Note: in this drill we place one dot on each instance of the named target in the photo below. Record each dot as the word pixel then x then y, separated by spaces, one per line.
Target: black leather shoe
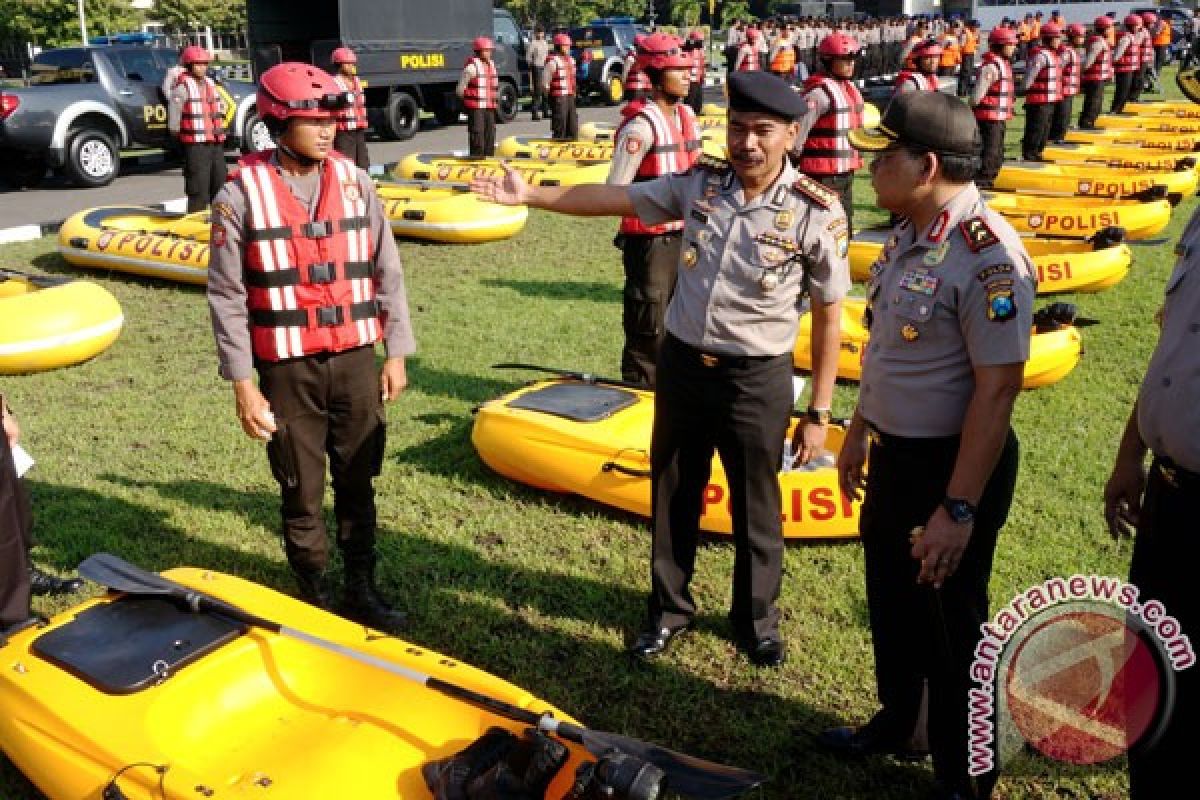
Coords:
pixel 43 583
pixel 866 741
pixel 768 651
pixel 653 642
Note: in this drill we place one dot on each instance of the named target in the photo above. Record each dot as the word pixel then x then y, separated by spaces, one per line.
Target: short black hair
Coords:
pixel 959 169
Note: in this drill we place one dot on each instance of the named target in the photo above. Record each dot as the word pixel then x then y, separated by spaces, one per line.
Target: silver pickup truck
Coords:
pixel 85 104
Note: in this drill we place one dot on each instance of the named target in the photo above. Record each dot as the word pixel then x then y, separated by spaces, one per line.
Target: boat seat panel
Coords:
pixel 579 402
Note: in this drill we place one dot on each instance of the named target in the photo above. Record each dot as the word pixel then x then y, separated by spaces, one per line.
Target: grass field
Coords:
pixel 139 453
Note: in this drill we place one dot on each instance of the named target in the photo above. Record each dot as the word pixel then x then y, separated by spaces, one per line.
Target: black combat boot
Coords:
pixel 362 601
pixel 314 587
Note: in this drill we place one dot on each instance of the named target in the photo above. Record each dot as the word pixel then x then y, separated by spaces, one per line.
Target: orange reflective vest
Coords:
pixel 951 55
pixel 1163 37
pixel 970 43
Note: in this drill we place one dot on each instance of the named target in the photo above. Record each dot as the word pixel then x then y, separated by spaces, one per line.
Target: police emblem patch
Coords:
pixel 1001 306
pixel 218 235
pixel 633 146
pixel 351 191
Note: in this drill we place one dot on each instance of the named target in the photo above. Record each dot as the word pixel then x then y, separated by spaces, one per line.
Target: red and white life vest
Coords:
pixel 697 71
pixel 1102 68
pixel 635 79
pixel 309 282
pixel 353 118
pixel 1047 84
pixel 997 104
pixel 483 88
pixel 827 150
pixel 562 75
pixel 1147 49
pixel 1131 59
pixel 922 81
pixel 748 58
pixel 1068 61
pixel 203 111
pixel 676 147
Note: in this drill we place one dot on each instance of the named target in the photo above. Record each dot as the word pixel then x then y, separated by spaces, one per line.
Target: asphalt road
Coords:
pixel 55 199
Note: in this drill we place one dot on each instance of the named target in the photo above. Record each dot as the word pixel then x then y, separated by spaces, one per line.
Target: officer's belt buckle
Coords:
pixel 330 316
pixel 709 360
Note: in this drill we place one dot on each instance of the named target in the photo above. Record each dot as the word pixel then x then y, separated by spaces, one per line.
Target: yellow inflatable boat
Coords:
pixel 1118 156
pixel 599 150
pixel 454 167
pixel 593 439
pixel 870 113
pixel 425 210
pixel 1080 217
pixel 138 240
pixel 1164 109
pixel 47 323
pixel 1063 265
pixel 1093 181
pixel 1150 124
pixel 1052 353
pixel 1176 142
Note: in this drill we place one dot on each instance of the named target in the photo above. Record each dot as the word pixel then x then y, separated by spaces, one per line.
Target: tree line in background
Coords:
pixel 53 23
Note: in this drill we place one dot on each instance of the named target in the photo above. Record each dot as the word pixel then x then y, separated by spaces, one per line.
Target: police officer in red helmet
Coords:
pixel 479 90
pixel 303 281
pixel 559 77
pixel 351 137
pixel 196 116
pixel 993 100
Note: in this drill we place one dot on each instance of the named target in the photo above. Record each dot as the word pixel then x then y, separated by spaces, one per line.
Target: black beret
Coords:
pixel 934 121
pixel 766 93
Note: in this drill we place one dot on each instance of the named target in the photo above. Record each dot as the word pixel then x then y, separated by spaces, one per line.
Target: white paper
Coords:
pixel 21 459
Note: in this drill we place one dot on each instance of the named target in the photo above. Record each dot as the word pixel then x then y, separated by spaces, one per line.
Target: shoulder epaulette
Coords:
pixel 712 164
pixel 819 193
pixel 977 233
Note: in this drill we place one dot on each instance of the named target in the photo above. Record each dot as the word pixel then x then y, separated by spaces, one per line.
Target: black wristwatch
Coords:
pixel 820 416
pixel 961 511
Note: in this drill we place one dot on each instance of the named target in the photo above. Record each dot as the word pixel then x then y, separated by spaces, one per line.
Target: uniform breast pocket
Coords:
pixel 914 316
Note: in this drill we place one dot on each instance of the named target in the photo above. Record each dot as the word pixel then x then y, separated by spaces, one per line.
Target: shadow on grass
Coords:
pixel 459 385
pixel 54 264
pixel 597 291
pixel 503 619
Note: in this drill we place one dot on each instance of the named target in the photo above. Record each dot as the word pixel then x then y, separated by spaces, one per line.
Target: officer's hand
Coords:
pixel 852 459
pixel 253 410
pixel 940 547
pixel 393 378
pixel 1123 497
pixel 511 190
pixel 808 441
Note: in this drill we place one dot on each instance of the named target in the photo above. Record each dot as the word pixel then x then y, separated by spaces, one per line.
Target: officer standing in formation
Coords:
pixel 539 49
pixel 1042 89
pixel 1163 506
pixel 351 138
pixel 479 89
pixel 560 86
pixel 950 312
pixel 834 107
pixel 970 46
pixel 1097 72
pixel 304 279
pixel 657 137
pixel 1127 63
pixel 196 116
pixel 925 55
pixel 695 47
pixel 747 54
pixel 757 234
pixel 1144 77
pixel 993 100
pixel 1069 81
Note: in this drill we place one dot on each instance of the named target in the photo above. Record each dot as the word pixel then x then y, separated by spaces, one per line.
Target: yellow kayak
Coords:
pixel 138 240
pixel 447 214
pixel 1080 217
pixel 593 440
pixel 599 150
pixel 1126 121
pixel 47 323
pixel 1052 354
pixel 1118 156
pixel 1063 265
pixel 871 116
pixel 1093 181
pixel 122 683
pixel 453 167
pixel 1176 142
pixel 1165 109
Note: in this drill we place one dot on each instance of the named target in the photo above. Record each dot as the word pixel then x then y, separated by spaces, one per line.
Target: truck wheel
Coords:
pixel 24 172
pixel 614 90
pixel 508 103
pixel 402 116
pixel 255 136
pixel 92 159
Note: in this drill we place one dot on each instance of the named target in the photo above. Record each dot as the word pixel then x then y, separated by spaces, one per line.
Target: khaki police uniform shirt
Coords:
pixel 744 266
pixel 942 301
pixel 632 144
pixel 1168 411
pixel 988 74
pixel 227 289
pixel 538 50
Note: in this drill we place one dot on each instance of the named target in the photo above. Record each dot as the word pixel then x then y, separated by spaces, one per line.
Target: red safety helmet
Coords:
pixel 1050 30
pixel 926 49
pixel 1149 17
pixel 1133 21
pixel 1075 29
pixel 752 33
pixel 838 44
pixel 194 54
pixel 562 40
pixel 1003 36
pixel 482 43
pixel 662 51
pixel 344 55
pixel 638 38
pixel 292 89
pixel 1103 22
pixel 696 36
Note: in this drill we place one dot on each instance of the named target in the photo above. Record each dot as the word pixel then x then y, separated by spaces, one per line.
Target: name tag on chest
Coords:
pixel 919 281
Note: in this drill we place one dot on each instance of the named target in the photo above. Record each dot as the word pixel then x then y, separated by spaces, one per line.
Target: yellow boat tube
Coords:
pixel 1141 122
pixel 453 167
pixel 1063 265
pixel 1052 354
pixel 1080 217
pixel 593 440
pixel 871 116
pixel 121 683
pixel 48 323
pixel 1118 156
pixel 138 240
pixel 1176 142
pixel 1164 109
pixel 424 210
pixel 1093 181
pixel 600 150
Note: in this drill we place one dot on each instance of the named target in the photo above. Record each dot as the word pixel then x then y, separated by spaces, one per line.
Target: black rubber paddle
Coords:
pixel 40 281
pixel 686 775
pixel 585 377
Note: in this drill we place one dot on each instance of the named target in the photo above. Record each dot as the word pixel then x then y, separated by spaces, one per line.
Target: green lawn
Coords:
pixel 139 453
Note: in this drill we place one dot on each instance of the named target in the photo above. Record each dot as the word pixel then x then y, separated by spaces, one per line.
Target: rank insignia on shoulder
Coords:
pixel 819 193
pixel 1001 306
pixel 977 233
pixel 712 164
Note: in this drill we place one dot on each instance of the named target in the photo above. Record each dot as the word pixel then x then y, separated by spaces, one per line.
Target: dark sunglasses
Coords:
pixel 327 102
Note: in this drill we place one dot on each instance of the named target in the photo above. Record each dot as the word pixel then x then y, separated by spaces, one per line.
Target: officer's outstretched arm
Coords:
pixel 586 200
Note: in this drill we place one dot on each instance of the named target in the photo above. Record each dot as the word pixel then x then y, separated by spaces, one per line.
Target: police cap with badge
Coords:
pixel 764 93
pixel 932 121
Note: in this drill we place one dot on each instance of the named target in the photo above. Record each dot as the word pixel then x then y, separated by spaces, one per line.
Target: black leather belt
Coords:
pixel 325 316
pixel 1177 477
pixel 891 441
pixel 710 360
